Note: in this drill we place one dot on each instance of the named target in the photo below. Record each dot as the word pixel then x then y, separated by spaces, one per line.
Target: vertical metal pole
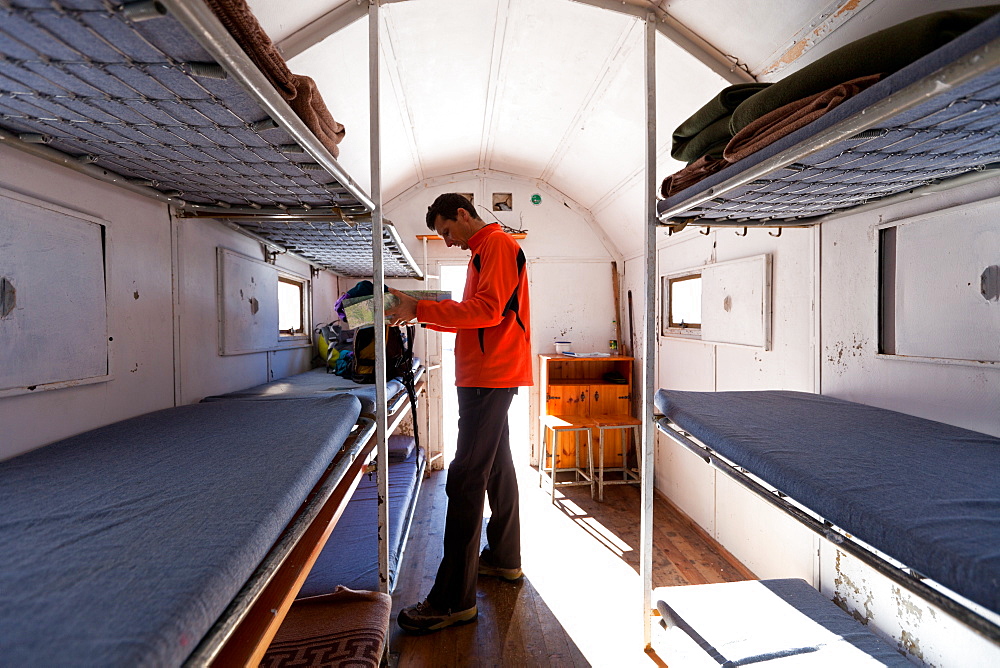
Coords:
pixel 378 278
pixel 649 340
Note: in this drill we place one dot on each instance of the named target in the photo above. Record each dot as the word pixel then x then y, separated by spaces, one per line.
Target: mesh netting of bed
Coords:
pixel 922 125
pixel 156 96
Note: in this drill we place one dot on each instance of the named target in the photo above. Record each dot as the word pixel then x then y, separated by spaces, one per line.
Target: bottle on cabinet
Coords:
pixel 613 340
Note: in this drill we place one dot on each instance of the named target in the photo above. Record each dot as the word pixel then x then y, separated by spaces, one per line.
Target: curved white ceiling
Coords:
pixel 545 89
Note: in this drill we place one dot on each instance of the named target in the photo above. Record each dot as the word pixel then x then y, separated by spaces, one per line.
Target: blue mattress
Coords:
pixel 312 384
pixel 950 133
pixel 350 557
pixel 923 492
pixel 122 546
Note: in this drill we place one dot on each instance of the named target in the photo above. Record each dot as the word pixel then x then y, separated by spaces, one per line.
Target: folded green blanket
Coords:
pixel 710 125
pixel 882 52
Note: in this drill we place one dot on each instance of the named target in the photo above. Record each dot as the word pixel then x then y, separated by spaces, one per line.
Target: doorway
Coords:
pixel 453 279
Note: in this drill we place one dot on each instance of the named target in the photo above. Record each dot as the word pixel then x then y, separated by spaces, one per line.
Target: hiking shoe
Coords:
pixel 487 568
pixel 425 618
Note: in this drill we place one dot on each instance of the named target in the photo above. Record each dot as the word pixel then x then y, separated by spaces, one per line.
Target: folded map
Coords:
pixel 360 311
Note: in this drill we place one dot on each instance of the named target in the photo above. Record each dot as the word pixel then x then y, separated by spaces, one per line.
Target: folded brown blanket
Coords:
pixel 299 91
pixel 710 125
pixel 345 628
pixel 690 175
pixel 311 108
pixel 785 120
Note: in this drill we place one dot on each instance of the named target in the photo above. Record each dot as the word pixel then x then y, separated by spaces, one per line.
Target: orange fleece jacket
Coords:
pixel 492 322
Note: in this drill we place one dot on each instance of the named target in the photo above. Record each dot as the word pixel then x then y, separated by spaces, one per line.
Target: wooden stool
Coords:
pixel 561 424
pixel 623 422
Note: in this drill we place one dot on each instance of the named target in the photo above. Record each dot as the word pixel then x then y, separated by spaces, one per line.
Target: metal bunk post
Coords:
pixel 649 350
pixel 378 276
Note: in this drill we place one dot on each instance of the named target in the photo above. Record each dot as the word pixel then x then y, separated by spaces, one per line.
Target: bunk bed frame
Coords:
pixel 922 129
pixel 156 97
pixel 243 632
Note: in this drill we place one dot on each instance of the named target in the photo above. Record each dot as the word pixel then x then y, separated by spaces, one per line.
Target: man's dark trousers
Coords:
pixel 482 465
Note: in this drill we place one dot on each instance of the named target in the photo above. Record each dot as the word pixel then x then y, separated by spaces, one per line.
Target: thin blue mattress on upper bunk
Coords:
pixel 350 556
pixel 311 384
pixel 950 130
pixel 925 493
pixel 125 544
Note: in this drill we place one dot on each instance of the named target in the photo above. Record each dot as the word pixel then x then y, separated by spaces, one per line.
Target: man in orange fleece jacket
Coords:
pixel 492 359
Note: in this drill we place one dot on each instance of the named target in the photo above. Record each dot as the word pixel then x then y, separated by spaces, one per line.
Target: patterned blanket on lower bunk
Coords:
pixel 925 493
pixel 122 546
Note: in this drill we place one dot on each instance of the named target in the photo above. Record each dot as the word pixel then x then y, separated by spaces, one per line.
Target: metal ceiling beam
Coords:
pixel 682 36
pixel 319 29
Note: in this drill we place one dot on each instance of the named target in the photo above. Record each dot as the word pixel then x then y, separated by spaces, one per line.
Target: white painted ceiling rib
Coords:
pixel 496 83
pixel 389 60
pixel 819 27
pixel 628 40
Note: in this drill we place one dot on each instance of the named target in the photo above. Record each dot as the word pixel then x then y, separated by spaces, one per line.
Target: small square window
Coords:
pixel 503 201
pixel 682 302
pixel 291 306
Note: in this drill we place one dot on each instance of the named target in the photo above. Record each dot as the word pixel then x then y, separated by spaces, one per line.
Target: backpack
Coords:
pixel 333 344
pixel 398 362
pixel 398 354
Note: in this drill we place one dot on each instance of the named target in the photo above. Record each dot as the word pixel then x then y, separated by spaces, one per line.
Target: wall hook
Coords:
pixel 706 231
pixel 778 234
pixel 744 233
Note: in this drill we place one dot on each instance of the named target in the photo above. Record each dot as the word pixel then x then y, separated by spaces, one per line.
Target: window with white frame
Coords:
pixel 681 299
pixel 291 306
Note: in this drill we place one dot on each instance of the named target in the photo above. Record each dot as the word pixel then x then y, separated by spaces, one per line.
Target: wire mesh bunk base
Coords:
pixel 893 138
pixel 343 246
pixel 127 91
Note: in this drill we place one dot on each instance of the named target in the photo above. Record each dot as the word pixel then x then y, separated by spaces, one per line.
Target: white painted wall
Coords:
pixel 139 307
pixel 161 289
pixel 962 395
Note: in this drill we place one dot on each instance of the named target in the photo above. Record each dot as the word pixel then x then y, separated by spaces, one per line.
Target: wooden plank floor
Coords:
pixel 580 602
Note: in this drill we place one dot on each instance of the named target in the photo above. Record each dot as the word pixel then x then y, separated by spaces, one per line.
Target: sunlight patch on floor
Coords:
pixel 575 564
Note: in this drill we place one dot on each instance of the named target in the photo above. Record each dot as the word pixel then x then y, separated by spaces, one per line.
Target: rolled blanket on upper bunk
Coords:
pixel 882 52
pixel 299 91
pixel 785 120
pixel 707 132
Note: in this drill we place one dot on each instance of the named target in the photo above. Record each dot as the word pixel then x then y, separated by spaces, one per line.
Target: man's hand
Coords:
pixel 404 311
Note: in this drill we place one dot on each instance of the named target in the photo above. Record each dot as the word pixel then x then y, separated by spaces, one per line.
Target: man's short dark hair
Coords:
pixel 447 206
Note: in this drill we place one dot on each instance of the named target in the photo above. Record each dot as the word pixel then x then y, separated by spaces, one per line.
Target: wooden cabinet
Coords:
pixel 579 386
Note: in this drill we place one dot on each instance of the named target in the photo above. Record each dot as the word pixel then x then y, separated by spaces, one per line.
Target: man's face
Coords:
pixel 454 232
